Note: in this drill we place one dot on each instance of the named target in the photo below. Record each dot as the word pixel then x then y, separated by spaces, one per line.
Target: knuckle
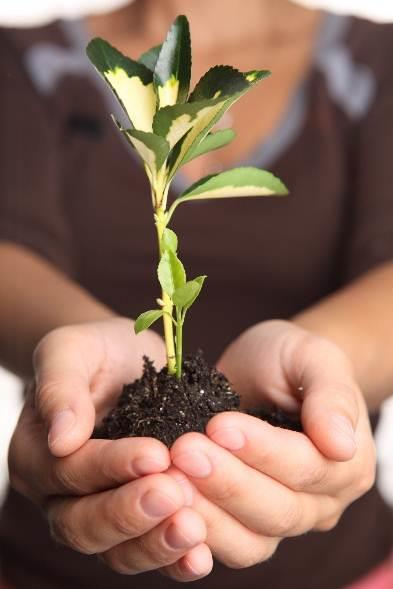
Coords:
pixel 328 524
pixel 251 554
pixel 66 477
pixel 113 560
pixel 366 481
pixel 106 460
pixel 311 476
pixel 16 481
pixel 157 554
pixel 63 530
pixel 124 521
pixel 229 490
pixel 288 520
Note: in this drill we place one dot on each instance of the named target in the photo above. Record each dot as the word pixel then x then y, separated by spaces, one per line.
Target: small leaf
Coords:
pixel 194 137
pixel 149 58
pixel 237 182
pixel 146 319
pixel 255 76
pixel 210 143
pixel 172 72
pixel 153 149
pixel 220 80
pixel 171 273
pixel 173 122
pixel 169 240
pixel 186 295
pixel 131 82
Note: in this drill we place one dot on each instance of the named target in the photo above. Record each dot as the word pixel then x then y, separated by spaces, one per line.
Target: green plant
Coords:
pixel 169 127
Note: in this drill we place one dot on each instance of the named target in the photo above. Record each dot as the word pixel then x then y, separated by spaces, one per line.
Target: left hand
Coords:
pixel 256 484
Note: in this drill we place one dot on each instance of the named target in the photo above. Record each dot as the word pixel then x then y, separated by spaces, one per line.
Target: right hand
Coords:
pixel 142 521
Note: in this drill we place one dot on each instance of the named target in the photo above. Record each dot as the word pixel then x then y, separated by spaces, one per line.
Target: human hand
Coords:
pixel 140 514
pixel 255 484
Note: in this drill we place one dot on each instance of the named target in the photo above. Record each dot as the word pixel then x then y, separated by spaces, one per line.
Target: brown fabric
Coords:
pixel 70 190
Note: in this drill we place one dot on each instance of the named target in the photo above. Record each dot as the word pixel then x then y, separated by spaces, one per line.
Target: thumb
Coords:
pixel 330 409
pixel 62 395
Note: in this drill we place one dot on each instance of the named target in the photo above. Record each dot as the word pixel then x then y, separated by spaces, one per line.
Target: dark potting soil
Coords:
pixel 161 406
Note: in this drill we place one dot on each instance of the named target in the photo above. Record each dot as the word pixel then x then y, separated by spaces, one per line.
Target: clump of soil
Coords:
pixel 161 406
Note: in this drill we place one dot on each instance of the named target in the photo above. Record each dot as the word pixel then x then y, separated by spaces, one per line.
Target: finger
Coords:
pixel 99 465
pixel 103 464
pixel 229 540
pixel 96 523
pixel 260 503
pixel 288 457
pixel 330 410
pixel 162 546
pixel 196 564
pixel 62 395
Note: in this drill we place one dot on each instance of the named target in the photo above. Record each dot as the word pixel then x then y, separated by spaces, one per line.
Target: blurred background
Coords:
pixel 28 13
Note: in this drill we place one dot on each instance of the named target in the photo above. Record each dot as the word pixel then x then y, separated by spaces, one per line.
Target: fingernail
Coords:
pixel 229 437
pixel 176 539
pixel 62 424
pixel 156 504
pixel 195 464
pixel 344 429
pixel 147 465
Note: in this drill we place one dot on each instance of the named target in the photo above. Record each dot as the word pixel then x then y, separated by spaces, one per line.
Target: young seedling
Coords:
pixel 169 127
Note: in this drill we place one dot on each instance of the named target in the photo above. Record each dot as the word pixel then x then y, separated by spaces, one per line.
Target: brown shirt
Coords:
pixel 71 191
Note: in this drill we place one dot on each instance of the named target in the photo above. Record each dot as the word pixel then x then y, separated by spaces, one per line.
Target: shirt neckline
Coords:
pixel 330 36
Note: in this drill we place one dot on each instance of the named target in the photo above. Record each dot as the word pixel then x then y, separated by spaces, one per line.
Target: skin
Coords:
pixel 172 511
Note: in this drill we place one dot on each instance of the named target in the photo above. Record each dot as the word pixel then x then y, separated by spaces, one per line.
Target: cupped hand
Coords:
pixel 255 484
pixel 141 518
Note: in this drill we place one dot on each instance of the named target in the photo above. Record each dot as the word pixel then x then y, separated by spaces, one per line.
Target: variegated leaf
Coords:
pixel 172 72
pixel 131 82
pixel 245 181
pixel 211 142
pixel 149 58
pixel 220 80
pixel 153 149
pixel 194 137
pixel 173 122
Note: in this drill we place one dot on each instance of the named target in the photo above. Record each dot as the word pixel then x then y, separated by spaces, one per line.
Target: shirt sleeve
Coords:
pixel 369 241
pixel 32 213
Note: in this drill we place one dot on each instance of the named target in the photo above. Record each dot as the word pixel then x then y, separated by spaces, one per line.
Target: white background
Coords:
pixel 28 12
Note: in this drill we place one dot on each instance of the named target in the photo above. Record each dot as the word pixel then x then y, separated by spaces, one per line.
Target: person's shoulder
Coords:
pixel 43 55
pixel 371 43
pixel 16 45
pixel 21 40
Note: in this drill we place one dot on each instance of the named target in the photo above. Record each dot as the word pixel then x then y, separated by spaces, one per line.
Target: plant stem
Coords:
pixel 168 306
pixel 179 344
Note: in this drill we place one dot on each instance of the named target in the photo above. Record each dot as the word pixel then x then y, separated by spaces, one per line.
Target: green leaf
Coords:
pixel 186 295
pixel 237 182
pixel 174 122
pixel 234 79
pixel 211 142
pixel 131 82
pixel 153 149
pixel 171 273
pixel 149 58
pixel 255 76
pixel 173 68
pixel 169 240
pixel 146 319
pixel 220 80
